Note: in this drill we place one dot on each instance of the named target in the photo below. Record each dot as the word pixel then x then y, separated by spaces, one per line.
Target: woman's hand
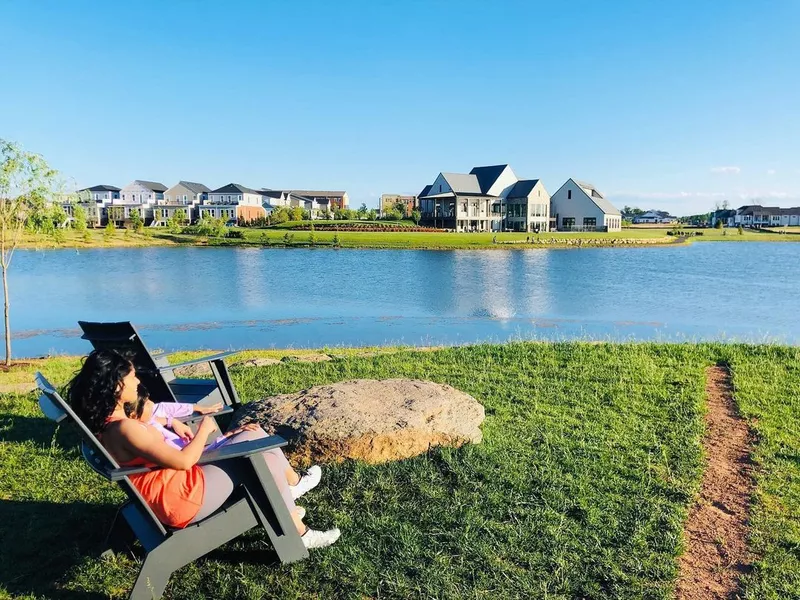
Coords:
pixel 207 427
pixel 183 430
pixel 248 427
pixel 207 410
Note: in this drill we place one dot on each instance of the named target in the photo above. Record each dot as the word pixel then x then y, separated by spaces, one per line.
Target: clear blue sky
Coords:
pixel 670 105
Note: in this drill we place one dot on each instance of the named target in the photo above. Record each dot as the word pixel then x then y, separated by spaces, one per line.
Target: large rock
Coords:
pixel 369 420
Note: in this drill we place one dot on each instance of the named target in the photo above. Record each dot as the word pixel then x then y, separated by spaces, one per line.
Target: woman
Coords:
pixel 107 396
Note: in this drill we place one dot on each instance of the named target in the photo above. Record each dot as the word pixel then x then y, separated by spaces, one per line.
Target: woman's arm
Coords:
pixel 139 441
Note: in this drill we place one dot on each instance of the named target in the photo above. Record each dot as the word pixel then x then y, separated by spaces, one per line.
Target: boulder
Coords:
pixel 369 420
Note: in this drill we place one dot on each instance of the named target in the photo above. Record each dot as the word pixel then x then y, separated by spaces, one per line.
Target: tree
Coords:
pixel 416 216
pixel 401 208
pixel 280 215
pixel 362 211
pixel 26 181
pixel 372 214
pixel 136 220
pixel 79 218
pixel 176 221
pixel 297 213
pixel 718 224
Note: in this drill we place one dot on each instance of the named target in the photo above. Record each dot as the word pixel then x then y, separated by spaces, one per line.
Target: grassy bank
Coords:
pixel 590 457
pixel 276 237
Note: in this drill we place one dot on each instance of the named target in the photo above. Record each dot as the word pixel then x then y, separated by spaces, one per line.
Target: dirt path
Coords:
pixel 716 530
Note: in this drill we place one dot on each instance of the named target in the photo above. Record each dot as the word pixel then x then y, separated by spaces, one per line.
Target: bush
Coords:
pixel 336 241
pixel 718 224
pixel 110 230
pixel 312 239
pixel 740 229
pixel 288 239
pixel 234 234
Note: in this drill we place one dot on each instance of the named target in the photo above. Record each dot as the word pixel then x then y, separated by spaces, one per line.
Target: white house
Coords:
pixel 489 198
pixel 142 192
pixel 757 216
pixel 233 202
pixel 579 206
pixel 655 216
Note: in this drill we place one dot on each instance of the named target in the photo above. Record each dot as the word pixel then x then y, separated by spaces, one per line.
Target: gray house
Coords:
pixel 186 192
pixel 184 197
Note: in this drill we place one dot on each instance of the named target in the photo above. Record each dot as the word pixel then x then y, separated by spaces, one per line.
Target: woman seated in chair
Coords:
pixel 108 397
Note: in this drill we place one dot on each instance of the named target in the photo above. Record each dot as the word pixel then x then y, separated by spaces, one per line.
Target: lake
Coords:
pixel 221 298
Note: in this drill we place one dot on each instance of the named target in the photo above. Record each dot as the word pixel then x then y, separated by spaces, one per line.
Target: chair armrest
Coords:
pixel 197 361
pixel 122 472
pixel 237 450
pixel 240 449
pixel 193 417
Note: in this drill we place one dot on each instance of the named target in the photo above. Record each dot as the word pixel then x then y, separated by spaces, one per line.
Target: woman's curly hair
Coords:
pixel 94 391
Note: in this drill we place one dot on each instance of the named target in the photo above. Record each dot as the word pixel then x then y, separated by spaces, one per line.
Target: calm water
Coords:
pixel 261 298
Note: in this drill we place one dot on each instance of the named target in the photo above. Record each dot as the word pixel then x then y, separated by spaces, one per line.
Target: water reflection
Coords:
pixel 319 297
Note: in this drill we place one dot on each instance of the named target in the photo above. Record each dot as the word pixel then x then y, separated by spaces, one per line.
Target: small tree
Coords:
pixel 740 229
pixel 136 220
pixel 416 216
pixel 109 231
pixel 79 221
pixel 279 215
pixel 58 215
pixel 288 238
pixel 336 241
pixel 718 224
pixel 362 211
pixel 312 239
pixel 176 221
pixel 297 213
pixel 372 214
pixel 26 180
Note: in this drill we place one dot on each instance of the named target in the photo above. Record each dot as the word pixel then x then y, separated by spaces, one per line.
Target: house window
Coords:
pixel 568 222
pixel 240 198
pixel 569 194
pixel 184 197
pixel 590 221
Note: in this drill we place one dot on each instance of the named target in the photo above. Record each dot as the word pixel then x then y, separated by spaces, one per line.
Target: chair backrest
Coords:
pixel 123 336
pixel 56 409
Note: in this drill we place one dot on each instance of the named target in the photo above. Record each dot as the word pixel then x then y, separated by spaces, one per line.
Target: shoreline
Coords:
pixel 271 238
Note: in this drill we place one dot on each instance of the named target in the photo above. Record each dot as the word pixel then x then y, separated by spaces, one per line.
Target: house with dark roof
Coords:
pixel 99 193
pixel 233 202
pixel 181 199
pixel 489 198
pixel 142 192
pixel 726 215
pixel 186 192
pixel 579 206
pixel 140 196
pixel 757 216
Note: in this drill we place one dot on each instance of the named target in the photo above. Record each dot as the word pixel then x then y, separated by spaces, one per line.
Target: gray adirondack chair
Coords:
pixel 256 503
pixel 158 375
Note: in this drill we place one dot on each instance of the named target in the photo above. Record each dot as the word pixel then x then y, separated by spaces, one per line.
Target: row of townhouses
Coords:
pixel 493 198
pixel 757 216
pixel 156 203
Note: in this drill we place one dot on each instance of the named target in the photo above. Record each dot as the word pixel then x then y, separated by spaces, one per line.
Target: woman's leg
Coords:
pixel 219 484
pixel 277 464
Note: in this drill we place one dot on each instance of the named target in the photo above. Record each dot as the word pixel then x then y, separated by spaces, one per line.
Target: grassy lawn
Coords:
pixel 590 457
pixel 399 240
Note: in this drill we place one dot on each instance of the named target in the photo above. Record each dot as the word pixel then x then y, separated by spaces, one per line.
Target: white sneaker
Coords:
pixel 320 539
pixel 307 482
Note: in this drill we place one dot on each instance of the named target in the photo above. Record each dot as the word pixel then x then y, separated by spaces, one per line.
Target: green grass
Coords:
pixel 590 457
pixel 388 240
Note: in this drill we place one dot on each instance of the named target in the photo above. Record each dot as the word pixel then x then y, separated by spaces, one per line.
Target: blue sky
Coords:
pixel 674 105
